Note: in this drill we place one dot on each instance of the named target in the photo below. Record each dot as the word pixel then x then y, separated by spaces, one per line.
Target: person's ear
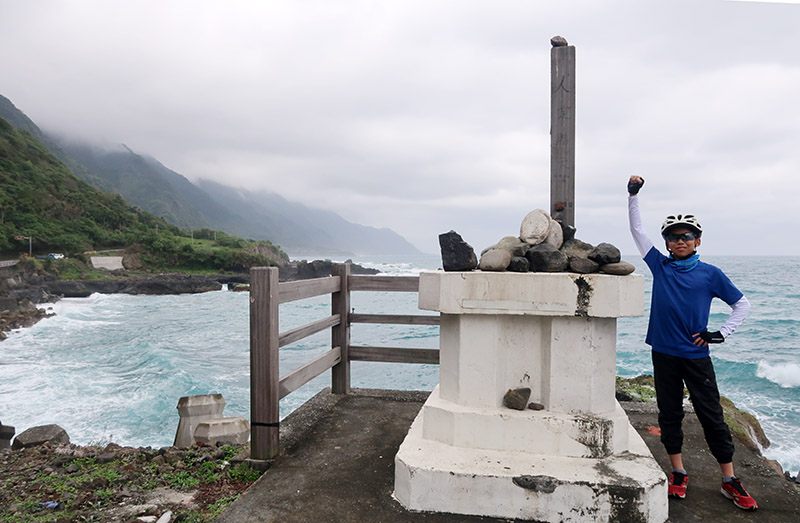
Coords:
pixel 698 243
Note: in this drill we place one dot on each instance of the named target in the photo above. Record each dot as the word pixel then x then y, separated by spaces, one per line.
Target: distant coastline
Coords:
pixel 21 292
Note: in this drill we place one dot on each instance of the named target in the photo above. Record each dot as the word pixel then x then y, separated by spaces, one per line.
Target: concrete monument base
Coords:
pixel 437 477
pixel 575 459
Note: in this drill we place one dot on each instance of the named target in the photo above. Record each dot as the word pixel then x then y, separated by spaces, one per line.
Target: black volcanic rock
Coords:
pixel 546 258
pixel 582 265
pixel 605 253
pixel 519 264
pixel 576 247
pixel 457 255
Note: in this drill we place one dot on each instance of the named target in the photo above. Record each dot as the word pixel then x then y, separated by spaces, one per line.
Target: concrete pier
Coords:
pixel 336 464
pixel 556 334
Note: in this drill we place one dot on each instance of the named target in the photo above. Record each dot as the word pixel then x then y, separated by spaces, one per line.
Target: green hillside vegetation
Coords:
pixel 41 198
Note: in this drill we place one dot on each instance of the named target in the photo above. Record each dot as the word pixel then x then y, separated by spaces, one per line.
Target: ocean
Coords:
pixel 112 367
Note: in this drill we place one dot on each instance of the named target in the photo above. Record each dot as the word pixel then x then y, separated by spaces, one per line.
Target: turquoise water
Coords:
pixel 112 367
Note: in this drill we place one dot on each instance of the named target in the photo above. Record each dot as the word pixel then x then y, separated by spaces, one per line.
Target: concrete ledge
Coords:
pixel 535 293
pixel 502 484
pixel 538 432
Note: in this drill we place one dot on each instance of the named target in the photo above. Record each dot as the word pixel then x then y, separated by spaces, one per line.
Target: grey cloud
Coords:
pixel 427 116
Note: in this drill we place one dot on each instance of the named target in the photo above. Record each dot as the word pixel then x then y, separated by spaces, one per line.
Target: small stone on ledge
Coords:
pixel 517 399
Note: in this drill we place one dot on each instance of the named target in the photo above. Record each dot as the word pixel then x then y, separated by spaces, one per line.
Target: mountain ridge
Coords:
pixel 261 215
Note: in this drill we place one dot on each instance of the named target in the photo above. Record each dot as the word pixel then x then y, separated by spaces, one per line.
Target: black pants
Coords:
pixel 670 373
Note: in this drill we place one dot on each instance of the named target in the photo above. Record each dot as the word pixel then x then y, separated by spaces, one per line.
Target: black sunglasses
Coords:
pixel 686 237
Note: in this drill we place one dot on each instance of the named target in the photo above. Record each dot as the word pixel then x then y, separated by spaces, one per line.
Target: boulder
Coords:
pixel 555 235
pixel 457 255
pixel 535 227
pixel 513 245
pixel 583 265
pixel 39 436
pixel 620 268
pixel 9 305
pixel 568 231
pixel 495 260
pixel 519 264
pixel 517 399
pixel 605 253
pixel 546 258
pixel 577 248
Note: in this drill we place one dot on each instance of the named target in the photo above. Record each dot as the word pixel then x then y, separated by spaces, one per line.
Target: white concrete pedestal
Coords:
pixel 576 460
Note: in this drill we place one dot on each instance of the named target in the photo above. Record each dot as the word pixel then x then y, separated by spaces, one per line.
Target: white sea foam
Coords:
pixel 784 374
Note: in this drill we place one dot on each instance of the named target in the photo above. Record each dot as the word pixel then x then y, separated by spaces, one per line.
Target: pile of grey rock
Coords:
pixel 543 245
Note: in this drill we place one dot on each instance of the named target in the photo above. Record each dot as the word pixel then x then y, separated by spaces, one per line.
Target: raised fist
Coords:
pixel 634 184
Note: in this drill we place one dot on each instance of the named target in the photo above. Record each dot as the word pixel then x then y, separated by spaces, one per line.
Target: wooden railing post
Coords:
pixel 340 334
pixel 264 375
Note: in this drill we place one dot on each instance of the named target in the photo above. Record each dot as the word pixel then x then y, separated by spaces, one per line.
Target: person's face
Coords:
pixel 679 244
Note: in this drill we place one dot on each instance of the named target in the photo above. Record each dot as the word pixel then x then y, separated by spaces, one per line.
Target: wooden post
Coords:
pixel 264 375
pixel 340 334
pixel 562 131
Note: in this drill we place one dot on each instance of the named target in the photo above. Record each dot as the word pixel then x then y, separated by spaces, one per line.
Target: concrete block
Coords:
pixel 6 433
pixel 193 410
pixel 234 431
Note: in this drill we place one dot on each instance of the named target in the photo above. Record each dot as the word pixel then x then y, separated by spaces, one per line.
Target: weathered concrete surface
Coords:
pixel 337 465
pixel 110 263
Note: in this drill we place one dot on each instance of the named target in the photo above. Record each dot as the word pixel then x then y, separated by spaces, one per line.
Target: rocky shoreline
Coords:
pixel 20 291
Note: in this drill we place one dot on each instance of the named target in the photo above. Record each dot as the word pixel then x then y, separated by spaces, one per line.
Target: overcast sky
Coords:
pixel 426 116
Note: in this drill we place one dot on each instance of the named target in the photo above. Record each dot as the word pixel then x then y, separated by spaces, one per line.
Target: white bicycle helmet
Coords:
pixel 686 220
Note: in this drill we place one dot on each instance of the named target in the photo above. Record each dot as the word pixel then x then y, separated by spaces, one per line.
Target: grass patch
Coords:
pixel 181 480
pixel 244 472
pixel 641 388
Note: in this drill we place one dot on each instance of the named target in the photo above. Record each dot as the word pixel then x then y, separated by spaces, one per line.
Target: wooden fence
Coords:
pixel 267 387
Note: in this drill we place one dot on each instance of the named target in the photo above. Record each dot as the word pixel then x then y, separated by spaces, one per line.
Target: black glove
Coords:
pixel 633 187
pixel 712 337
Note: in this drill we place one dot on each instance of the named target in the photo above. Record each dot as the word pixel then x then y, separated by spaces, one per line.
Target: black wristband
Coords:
pixel 712 337
pixel 633 187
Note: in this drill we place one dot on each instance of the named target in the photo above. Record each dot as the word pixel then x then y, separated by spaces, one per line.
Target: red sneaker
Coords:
pixel 677 485
pixel 735 491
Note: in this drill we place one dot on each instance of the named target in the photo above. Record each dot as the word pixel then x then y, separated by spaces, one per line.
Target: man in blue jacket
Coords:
pixel 683 288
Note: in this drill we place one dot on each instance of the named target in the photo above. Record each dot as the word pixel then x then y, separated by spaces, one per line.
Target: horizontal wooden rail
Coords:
pixel 396 319
pixel 307 330
pixel 307 372
pixel 298 290
pixel 384 283
pixel 394 354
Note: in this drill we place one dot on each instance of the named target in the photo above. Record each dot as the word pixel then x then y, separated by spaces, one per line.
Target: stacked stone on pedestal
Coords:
pixel 545 245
